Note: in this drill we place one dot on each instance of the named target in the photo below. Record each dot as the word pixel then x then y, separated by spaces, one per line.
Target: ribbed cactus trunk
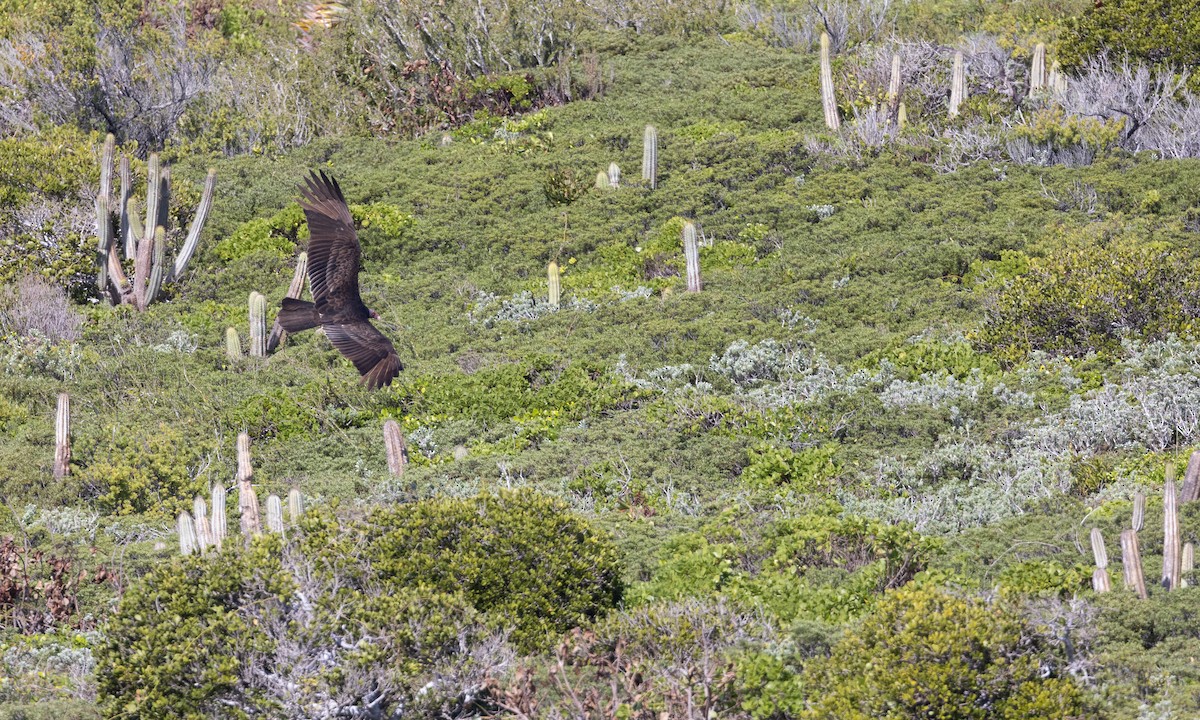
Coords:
pixel 204 538
pixel 156 266
pixel 247 499
pixel 233 345
pixel 258 325
pixel 554 284
pixel 691 257
pixel 602 181
pixel 1058 79
pixel 1187 563
pixel 218 526
pixel 397 453
pixel 894 88
pixel 901 116
pixel 650 156
pixel 1132 562
pixel 278 334
pixel 614 175
pixel 1100 580
pixel 1139 512
pixel 62 437
pixel 1038 78
pixel 828 101
pixel 193 237
pixel 274 514
pixel 1172 548
pixel 187 534
pixel 103 216
pixel 295 505
pixel 958 84
pixel 145 246
pixel 1190 492
pixel 127 238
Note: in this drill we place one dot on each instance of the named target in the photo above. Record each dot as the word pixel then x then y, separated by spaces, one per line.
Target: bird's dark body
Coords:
pixel 334 257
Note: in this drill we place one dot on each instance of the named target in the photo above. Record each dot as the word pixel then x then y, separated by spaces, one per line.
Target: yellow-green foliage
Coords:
pixel 380 225
pixel 932 654
pixel 809 470
pixel 142 470
pixel 1056 129
pixel 1091 287
pixel 1044 577
pixel 911 360
pixel 1161 32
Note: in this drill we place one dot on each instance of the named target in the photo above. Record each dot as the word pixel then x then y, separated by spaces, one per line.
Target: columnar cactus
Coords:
pixel 894 87
pixel 1187 560
pixel 295 505
pixel 397 454
pixel 62 437
pixel 233 345
pixel 218 526
pixel 274 514
pixel 278 334
pixel 247 499
pixel 614 175
pixel 187 534
pixel 1038 78
pixel 691 257
pixel 958 84
pixel 602 181
pixel 828 101
pixel 901 116
pixel 141 240
pixel 1100 579
pixel 1172 550
pixel 1139 512
pixel 1132 562
pixel 650 156
pixel 258 325
pixel 554 283
pixel 1058 79
pixel 204 537
pixel 1190 492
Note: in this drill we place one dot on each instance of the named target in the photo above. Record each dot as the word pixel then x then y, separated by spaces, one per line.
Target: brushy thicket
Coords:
pixel 853 476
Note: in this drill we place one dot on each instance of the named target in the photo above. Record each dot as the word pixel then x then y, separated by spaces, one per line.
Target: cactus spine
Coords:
pixel 62 437
pixel 274 514
pixel 1132 563
pixel 218 525
pixel 650 156
pixel 247 499
pixel 258 325
pixel 1139 512
pixel 1100 580
pixel 187 534
pixel 233 345
pixel 614 175
pixel 397 454
pixel 295 505
pixel 1037 70
pixel 958 84
pixel 1172 555
pixel 278 334
pixel 828 101
pixel 554 283
pixel 691 257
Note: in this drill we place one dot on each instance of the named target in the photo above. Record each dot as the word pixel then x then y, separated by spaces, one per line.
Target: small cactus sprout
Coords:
pixel 295 505
pixel 1172 549
pixel 614 175
pixel 62 437
pixel 187 534
pixel 554 282
pixel 397 453
pixel 1038 78
pixel 1132 562
pixel 218 526
pixel 650 156
pixel 958 84
pixel 247 499
pixel 233 345
pixel 828 101
pixel 1100 580
pixel 258 325
pixel 274 514
pixel 691 257
pixel 1139 512
pixel 602 181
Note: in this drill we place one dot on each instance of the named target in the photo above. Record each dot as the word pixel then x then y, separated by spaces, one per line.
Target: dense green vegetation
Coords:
pixel 853 476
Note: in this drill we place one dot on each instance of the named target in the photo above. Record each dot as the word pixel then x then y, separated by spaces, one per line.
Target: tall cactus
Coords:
pixel 1038 77
pixel 218 526
pixel 274 514
pixel 397 453
pixel 602 181
pixel 958 84
pixel 650 156
pixel 1172 555
pixel 691 257
pixel 828 101
pixel 187 534
pixel 614 175
pixel 295 290
pixel 247 499
pixel 141 241
pixel 295 505
pixel 1100 579
pixel 203 528
pixel 894 87
pixel 233 345
pixel 554 283
pixel 1058 79
pixel 1139 512
pixel 1190 492
pixel 1132 562
pixel 62 437
pixel 901 116
pixel 258 325
pixel 1187 562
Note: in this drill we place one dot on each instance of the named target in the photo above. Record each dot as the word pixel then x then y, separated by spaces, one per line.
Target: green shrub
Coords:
pixel 1165 33
pixel 809 470
pixel 142 470
pixel 381 227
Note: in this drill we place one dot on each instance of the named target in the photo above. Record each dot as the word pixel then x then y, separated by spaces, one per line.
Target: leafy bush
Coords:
pixel 1159 32
pixel 806 471
pixel 151 470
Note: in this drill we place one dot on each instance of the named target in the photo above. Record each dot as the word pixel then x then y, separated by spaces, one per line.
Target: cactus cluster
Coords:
pixel 144 242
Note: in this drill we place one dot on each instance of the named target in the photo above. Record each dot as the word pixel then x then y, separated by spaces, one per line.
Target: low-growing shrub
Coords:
pixel 150 470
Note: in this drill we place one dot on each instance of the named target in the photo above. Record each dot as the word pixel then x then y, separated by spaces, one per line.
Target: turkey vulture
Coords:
pixel 334 256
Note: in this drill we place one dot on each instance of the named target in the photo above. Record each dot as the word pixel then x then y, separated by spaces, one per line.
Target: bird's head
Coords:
pixel 374 315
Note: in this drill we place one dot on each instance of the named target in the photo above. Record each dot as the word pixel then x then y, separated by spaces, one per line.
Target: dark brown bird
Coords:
pixel 334 257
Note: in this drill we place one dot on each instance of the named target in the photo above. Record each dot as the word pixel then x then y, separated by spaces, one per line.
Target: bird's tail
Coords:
pixel 297 315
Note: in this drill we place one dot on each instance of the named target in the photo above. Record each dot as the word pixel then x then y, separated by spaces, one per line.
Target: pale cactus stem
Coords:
pixel 1101 582
pixel 193 237
pixel 187 534
pixel 691 257
pixel 128 239
pixel 204 537
pixel 828 101
pixel 1037 69
pixel 62 437
pixel 295 505
pixel 258 325
pixel 295 290
pixel 397 453
pixel 103 217
pixel 1139 512
pixel 1190 492
pixel 247 498
pixel 614 175
pixel 554 283
pixel 1172 549
pixel 901 116
pixel 602 181
pixel 218 526
pixel 958 84
pixel 233 345
pixel 1132 563
pixel 274 514
pixel 156 267
pixel 650 156
pixel 894 86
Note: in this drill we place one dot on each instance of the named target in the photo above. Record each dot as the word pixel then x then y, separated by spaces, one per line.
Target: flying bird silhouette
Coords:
pixel 334 257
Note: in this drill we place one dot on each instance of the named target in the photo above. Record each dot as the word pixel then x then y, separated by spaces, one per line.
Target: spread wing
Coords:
pixel 371 352
pixel 333 250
